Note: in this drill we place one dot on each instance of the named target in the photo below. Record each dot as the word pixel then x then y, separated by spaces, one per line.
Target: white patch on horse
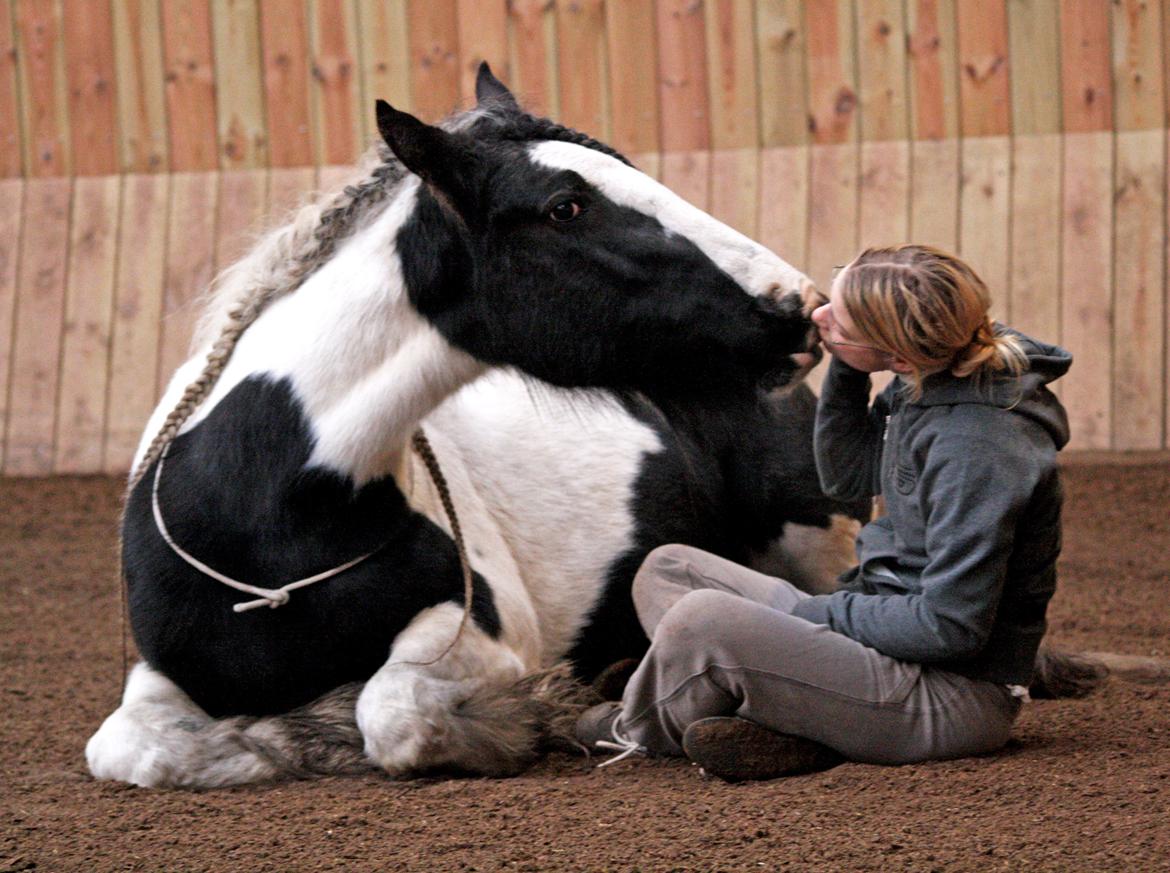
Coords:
pixel 364 364
pixel 159 738
pixel 555 471
pixel 759 271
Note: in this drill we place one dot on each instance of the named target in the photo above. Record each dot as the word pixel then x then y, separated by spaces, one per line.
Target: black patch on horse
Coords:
pixel 236 493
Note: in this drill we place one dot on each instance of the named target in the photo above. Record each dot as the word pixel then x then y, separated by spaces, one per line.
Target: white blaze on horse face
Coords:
pixel 758 270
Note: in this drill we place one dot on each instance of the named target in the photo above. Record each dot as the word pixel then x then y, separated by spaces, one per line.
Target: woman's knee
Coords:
pixel 701 619
pixel 662 571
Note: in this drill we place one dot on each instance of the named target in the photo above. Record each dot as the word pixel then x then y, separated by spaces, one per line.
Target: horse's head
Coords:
pixel 537 247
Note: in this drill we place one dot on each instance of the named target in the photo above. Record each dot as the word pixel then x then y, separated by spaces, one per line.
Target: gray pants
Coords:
pixel 723 642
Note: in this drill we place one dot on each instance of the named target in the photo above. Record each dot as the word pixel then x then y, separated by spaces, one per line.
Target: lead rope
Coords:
pixel 274 597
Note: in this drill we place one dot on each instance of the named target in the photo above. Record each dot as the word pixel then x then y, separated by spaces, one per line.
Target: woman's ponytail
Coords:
pixel 990 352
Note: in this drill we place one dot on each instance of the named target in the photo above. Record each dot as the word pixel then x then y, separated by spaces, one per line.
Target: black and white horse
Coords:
pixel 590 358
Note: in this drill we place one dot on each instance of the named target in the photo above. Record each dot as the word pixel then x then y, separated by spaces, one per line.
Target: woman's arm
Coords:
pixel 974 494
pixel 849 433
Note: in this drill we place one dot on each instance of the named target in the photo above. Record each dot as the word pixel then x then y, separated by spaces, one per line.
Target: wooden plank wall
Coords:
pixel 143 144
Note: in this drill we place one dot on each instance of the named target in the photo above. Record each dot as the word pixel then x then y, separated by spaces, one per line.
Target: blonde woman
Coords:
pixel 926 650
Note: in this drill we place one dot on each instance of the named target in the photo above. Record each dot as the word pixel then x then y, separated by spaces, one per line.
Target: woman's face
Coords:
pixel 840 336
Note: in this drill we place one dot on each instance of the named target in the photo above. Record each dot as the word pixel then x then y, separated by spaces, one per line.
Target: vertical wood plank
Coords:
pixel 532 48
pixel 834 157
pixel 784 202
pixel 284 36
pixel 11 139
pixel 649 163
pixel 1034 304
pixel 1087 302
pixel 984 89
pixel 934 193
pixel 632 45
pixel 735 188
pixel 434 52
pixel 881 52
pixel 138 58
pixel 1036 222
pixel 43 92
pixel 932 57
pixel 85 340
pixel 735 131
pixel 985 121
pixel 1087 225
pixel 335 83
pixel 90 73
pixel 933 69
pixel 884 183
pixel 1139 198
pixel 782 223
pixel 682 76
pixel 240 205
pixel 1139 280
pixel 483 36
pixel 287 190
pixel 582 66
pixel 190 85
pixel 243 140
pixel 385 59
pixel 688 174
pixel 333 178
pixel 732 80
pixel 36 344
pixel 1034 45
pixel 190 264
pixel 783 82
pixel 1166 265
pixel 11 212
pixel 833 212
pixel 1087 93
pixel 138 295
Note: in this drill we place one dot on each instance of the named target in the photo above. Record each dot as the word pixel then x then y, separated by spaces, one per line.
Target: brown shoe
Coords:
pixel 736 750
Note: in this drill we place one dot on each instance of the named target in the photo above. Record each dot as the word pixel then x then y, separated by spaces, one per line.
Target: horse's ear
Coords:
pixel 490 89
pixel 441 159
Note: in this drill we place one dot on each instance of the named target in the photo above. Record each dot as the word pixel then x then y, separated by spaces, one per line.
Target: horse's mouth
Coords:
pixel 806 360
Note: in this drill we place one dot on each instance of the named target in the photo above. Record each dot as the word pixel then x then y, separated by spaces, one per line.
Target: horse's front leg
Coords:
pixel 464 708
pixel 159 738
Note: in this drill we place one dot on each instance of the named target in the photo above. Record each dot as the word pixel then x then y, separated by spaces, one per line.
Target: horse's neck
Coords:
pixel 364 365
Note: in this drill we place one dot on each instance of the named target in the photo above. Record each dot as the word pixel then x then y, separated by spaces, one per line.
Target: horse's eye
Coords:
pixel 566 210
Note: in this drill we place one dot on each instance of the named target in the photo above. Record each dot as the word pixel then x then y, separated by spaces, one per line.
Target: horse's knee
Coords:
pixel 132 744
pixel 159 738
pixel 428 708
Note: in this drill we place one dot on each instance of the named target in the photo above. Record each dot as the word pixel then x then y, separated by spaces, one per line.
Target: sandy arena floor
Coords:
pixel 1085 785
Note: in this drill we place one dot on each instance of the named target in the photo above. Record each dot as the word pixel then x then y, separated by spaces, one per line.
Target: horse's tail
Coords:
pixel 1066 674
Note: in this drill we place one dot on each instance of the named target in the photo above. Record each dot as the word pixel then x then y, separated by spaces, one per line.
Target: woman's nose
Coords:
pixel 820 315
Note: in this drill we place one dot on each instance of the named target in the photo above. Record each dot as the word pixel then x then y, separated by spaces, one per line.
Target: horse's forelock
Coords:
pixel 499 121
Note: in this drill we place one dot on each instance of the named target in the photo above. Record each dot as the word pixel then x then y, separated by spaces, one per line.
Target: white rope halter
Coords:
pixel 271 597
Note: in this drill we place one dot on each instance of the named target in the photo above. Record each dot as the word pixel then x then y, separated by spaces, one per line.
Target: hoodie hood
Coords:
pixel 1026 394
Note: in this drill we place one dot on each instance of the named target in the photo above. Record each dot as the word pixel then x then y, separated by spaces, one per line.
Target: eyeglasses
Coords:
pixel 835 328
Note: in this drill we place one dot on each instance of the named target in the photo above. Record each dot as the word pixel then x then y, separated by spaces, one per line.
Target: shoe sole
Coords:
pixel 737 750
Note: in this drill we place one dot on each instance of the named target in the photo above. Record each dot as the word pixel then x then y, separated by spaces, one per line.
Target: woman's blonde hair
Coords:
pixel 928 308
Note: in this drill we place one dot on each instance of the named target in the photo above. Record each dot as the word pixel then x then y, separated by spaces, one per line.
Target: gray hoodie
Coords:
pixel 959 571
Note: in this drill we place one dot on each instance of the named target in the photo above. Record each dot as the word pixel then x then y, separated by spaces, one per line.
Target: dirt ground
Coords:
pixel 1084 785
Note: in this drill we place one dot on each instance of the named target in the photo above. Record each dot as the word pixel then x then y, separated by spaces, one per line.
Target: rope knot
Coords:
pixel 270 597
